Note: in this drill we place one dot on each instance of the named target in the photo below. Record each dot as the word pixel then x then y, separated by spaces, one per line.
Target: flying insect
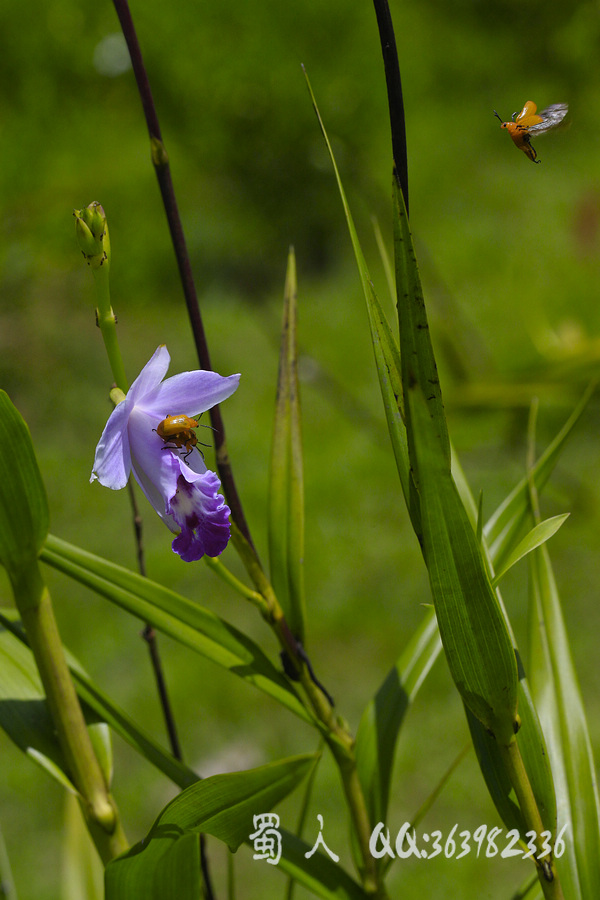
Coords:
pixel 530 123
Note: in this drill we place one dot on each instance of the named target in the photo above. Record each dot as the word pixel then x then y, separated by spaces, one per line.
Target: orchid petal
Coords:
pixel 112 462
pixel 151 375
pixel 152 461
pixel 190 394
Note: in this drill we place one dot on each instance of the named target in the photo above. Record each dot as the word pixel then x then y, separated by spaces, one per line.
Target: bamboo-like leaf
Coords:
pixel 166 863
pixel 23 503
pixel 538 535
pixel 558 698
pixel 416 350
pixel 169 612
pixel 530 736
pixel 387 354
pixel 503 529
pixel 319 873
pixel 383 717
pixel 286 486
pixel 24 716
pixel 24 713
pixel 476 640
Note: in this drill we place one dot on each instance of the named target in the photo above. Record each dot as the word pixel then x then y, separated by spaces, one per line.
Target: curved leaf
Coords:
pixel 97 707
pixel 538 535
pixel 186 622
pixel 167 863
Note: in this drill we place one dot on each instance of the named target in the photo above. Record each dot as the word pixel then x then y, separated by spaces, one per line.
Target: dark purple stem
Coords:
pixel 394 92
pixel 163 174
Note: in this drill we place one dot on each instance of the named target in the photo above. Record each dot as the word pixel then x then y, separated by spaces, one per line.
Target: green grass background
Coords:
pixel 509 259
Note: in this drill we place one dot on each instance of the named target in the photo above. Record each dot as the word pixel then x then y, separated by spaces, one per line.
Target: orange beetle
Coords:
pixel 179 432
pixel 531 122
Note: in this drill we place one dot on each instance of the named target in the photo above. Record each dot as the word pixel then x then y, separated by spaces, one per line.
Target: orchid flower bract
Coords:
pixel 183 492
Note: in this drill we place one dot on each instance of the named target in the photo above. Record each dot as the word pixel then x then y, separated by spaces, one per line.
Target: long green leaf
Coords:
pixel 23 503
pixel 166 863
pixel 286 486
pixel 318 873
pixel 476 640
pixel 387 354
pixel 558 698
pixel 383 717
pixel 416 351
pixel 503 529
pixel 530 736
pixel 184 621
pixel 24 715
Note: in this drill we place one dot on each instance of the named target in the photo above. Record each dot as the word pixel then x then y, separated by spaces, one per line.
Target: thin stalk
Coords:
pixel 160 160
pixel 515 769
pixel 149 636
pixel 337 736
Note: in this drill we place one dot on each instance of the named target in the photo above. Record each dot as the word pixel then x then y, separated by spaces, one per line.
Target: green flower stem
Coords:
pixel 334 731
pixel 91 229
pixel 547 874
pixel 35 607
pixel 107 322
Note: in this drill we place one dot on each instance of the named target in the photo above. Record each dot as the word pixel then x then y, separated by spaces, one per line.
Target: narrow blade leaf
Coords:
pixel 387 354
pixel 558 697
pixel 97 707
pixel 186 622
pixel 503 529
pixel 222 805
pixel 538 535
pixel 286 486
pixel 23 503
pixel 383 717
pixel 476 640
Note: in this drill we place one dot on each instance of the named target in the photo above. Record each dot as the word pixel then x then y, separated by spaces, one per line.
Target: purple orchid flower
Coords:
pixel 183 491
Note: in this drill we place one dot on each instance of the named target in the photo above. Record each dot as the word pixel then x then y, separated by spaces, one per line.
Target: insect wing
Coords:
pixel 551 117
pixel 528 110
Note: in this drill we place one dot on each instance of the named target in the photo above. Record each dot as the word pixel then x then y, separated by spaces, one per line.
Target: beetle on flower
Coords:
pixel 183 491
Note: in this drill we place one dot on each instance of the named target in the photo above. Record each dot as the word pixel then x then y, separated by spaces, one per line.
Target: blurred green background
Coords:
pixel 509 259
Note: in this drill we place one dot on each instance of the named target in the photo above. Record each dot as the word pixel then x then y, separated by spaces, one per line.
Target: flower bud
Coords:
pixel 91 230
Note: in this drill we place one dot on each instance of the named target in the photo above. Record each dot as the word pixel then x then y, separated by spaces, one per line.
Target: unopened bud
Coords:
pixel 92 235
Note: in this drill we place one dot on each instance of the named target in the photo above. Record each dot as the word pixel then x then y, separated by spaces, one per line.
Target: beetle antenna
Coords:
pixel 498 117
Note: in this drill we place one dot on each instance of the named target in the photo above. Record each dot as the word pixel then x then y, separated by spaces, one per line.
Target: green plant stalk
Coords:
pixel 339 740
pixel 107 322
pixel 513 762
pixel 229 578
pixel 37 615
